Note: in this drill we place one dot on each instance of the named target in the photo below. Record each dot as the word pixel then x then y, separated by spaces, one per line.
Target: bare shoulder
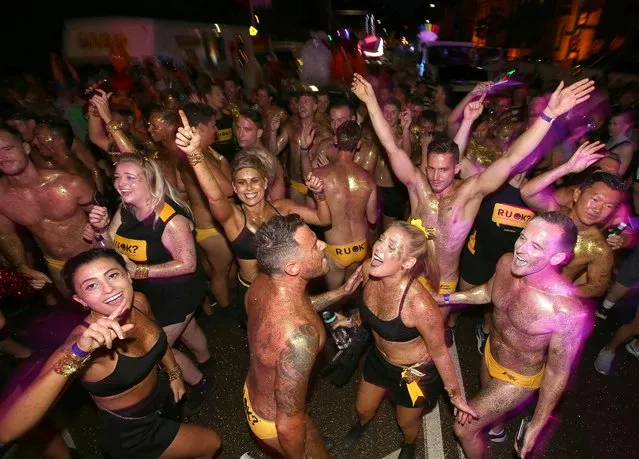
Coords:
pixel 421 307
pixel 572 315
pixel 298 353
pixel 141 302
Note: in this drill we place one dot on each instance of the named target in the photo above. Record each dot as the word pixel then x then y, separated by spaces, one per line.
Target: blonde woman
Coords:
pixel 409 361
pixel 154 231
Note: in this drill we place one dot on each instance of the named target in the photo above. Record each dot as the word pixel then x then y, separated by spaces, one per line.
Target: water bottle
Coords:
pixel 101 243
pixel 617 230
pixel 340 335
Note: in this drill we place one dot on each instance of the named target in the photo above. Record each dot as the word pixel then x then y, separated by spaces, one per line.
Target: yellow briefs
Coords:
pixel 54 264
pixel 347 254
pixel 444 286
pixel 299 187
pixel 263 429
pixel 498 372
pixel 202 234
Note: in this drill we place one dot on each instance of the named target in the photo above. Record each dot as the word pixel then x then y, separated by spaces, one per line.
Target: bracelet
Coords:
pixel 319 195
pixel 69 363
pixel 195 158
pixel 141 272
pixel 75 349
pixel 113 126
pixel 305 148
pixel 446 298
pixel 546 118
pixel 452 393
pixel 174 373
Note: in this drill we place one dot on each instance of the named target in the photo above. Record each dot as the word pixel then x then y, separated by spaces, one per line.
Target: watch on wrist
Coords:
pixel 446 298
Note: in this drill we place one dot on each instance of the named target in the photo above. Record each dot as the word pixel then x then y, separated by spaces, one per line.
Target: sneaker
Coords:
pixel 353 435
pixel 603 362
pixel 602 312
pixel 633 348
pixel 407 452
pixel 198 395
pixel 482 337
pixel 497 437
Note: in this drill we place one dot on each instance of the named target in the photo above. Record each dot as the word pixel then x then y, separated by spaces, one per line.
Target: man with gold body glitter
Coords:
pixel 538 328
pixel 449 206
pixel 51 204
pixel 594 201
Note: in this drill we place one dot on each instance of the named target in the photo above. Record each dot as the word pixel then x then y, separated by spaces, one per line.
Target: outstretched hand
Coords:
pixel 307 137
pixel 564 99
pixel 362 88
pixel 586 155
pixel 187 138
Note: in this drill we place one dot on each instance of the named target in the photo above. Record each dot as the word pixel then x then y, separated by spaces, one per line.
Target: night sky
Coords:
pixel 35 29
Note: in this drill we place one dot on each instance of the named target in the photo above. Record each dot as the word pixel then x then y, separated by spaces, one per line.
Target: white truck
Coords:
pixel 220 46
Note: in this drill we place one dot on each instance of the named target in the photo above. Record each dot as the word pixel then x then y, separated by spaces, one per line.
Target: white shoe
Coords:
pixel 633 348
pixel 604 360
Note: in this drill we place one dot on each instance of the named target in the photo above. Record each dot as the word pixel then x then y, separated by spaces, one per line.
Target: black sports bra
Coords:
pixel 128 371
pixel 244 245
pixel 390 330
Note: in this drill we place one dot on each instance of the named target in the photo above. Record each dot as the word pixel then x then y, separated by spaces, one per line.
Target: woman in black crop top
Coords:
pixel 241 221
pixel 409 337
pixel 115 353
pixel 153 229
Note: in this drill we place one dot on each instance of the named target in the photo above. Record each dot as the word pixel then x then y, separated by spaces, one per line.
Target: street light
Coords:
pixel 432 5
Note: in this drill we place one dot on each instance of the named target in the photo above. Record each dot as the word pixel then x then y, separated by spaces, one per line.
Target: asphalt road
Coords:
pixel 596 419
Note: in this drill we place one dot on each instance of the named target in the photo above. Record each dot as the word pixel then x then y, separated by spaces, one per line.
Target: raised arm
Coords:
pixel 540 194
pixel 400 161
pixel 561 101
pixel 277 143
pixel 565 346
pixel 188 140
pixel 320 215
pixel 101 102
pixel 293 371
pixel 456 114
pixel 471 113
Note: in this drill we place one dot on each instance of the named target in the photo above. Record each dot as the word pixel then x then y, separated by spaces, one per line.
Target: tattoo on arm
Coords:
pixel 294 369
pixel 324 300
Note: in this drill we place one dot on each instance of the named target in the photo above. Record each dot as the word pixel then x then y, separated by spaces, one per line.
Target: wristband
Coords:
pixel 141 272
pixel 113 126
pixel 75 349
pixel 546 118
pixel 446 298
pixel 305 148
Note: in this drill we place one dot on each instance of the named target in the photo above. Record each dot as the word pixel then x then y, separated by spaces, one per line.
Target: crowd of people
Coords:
pixel 180 194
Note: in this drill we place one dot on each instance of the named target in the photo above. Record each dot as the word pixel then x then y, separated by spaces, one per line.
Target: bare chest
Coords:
pixel 31 206
pixel 521 311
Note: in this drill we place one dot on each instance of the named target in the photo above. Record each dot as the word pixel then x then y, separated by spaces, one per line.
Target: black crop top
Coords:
pixel 244 245
pixel 128 371
pixel 390 330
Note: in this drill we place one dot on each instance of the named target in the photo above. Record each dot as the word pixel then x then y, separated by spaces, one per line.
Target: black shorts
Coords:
pixel 145 437
pixel 629 272
pixel 380 372
pixel 394 200
pixel 475 269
